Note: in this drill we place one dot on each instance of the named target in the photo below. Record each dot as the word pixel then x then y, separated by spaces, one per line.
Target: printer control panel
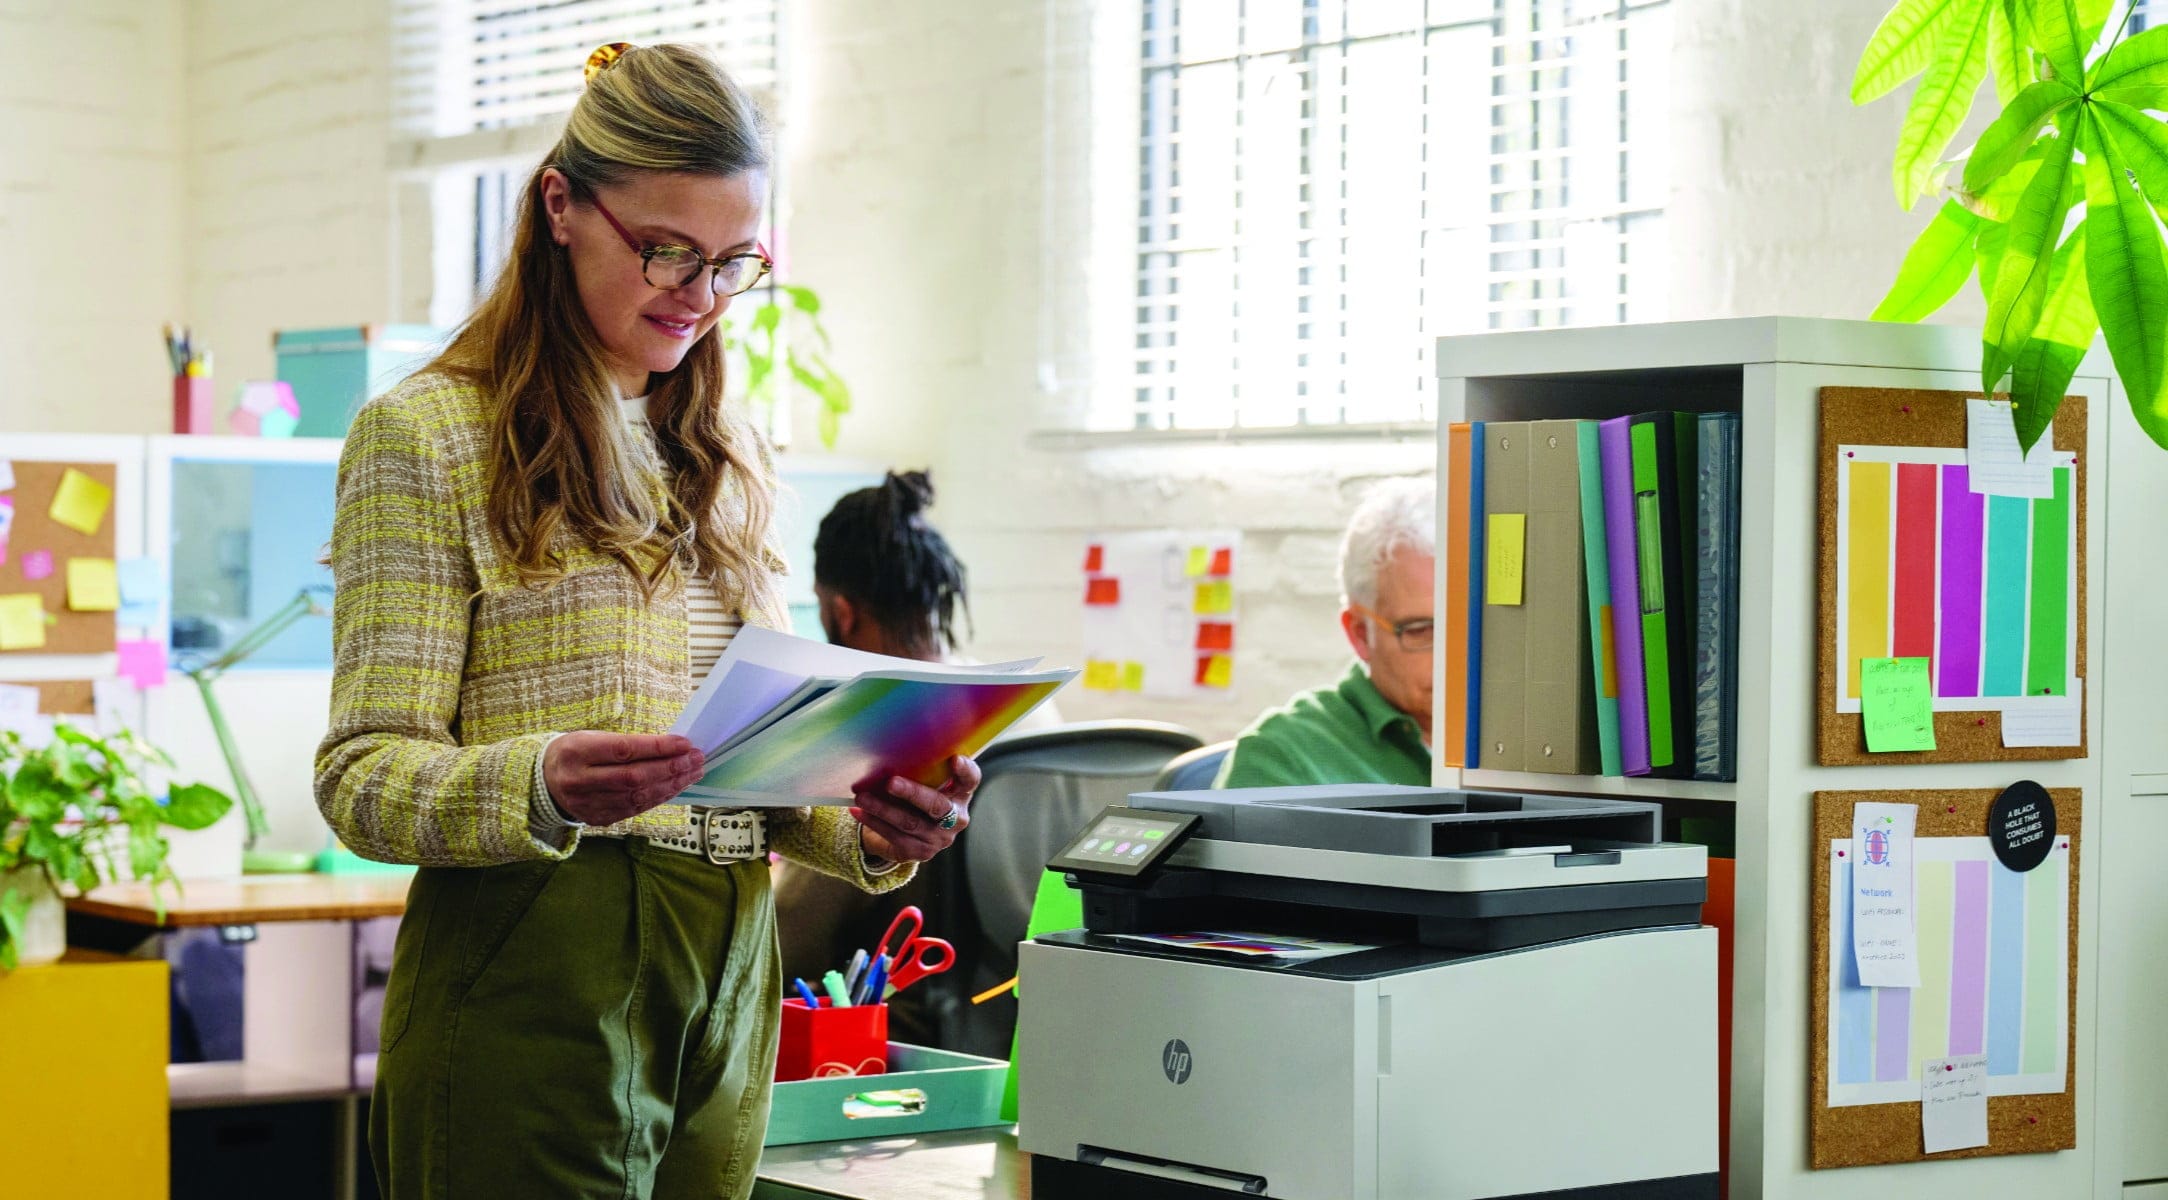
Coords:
pixel 1124 843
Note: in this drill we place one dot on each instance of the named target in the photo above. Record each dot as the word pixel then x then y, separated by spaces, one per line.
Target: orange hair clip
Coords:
pixel 601 59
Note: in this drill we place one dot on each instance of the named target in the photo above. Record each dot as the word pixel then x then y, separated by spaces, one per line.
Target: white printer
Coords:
pixel 1535 1014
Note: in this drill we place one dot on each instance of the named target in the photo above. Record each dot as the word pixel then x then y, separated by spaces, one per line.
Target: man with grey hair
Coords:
pixel 1374 725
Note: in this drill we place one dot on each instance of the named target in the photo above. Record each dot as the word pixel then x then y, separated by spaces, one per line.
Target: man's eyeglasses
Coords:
pixel 1416 634
pixel 669 267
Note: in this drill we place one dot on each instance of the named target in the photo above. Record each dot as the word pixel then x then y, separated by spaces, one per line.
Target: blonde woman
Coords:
pixel 543 541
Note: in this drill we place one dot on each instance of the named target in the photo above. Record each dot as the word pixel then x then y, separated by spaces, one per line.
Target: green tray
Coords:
pixel 961 1091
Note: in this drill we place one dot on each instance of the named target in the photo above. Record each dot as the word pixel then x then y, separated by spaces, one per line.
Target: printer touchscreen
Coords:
pixel 1124 841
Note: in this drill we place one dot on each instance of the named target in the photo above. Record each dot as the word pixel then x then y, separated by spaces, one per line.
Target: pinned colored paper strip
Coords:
pixel 2046 892
pixel 2046 671
pixel 1933 898
pixel 2006 971
pixel 1866 601
pixel 1968 961
pixel 1855 1004
pixel 2003 670
pixel 1913 622
pixel 1957 667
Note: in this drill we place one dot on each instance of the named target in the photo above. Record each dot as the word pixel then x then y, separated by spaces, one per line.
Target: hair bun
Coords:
pixel 911 492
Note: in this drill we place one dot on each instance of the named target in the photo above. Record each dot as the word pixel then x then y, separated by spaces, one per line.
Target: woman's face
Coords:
pixel 643 328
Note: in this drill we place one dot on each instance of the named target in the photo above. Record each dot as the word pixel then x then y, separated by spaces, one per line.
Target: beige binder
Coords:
pixel 1560 727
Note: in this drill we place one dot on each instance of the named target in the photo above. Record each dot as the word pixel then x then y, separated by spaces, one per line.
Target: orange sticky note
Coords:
pixel 1095 560
pixel 1132 677
pixel 80 502
pixel 1215 597
pixel 93 585
pixel 1103 591
pixel 1102 676
pixel 1223 562
pixel 22 622
pixel 1215 635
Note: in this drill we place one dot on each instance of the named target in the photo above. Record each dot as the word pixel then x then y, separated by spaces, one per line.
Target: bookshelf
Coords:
pixel 1770 371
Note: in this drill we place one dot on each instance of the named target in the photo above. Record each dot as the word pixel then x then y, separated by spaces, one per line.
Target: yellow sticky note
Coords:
pixel 1200 560
pixel 1215 597
pixel 93 585
pixel 1132 677
pixel 1504 549
pixel 1102 676
pixel 1220 671
pixel 22 622
pixel 80 502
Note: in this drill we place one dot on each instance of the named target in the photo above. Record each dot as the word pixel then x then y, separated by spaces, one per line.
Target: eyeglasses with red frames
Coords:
pixel 670 266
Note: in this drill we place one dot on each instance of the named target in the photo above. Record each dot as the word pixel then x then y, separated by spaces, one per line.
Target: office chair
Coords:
pixel 1194 771
pixel 1038 791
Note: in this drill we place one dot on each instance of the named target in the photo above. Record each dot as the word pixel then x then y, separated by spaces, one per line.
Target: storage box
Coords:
pixel 829 1041
pixel 334 371
pixel 954 1091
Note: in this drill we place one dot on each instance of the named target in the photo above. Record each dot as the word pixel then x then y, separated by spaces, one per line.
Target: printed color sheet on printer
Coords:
pixel 1247 945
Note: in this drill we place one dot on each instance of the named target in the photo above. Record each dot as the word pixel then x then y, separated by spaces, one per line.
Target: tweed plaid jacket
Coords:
pixel 450 675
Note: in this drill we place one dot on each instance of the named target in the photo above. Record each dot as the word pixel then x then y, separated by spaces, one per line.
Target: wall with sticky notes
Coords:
pixel 58 591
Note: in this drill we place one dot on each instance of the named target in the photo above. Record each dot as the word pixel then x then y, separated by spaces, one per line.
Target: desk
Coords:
pixel 964 1164
pixel 252 899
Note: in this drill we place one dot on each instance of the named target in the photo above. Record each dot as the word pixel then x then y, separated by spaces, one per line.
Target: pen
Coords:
pixel 806 994
pixel 856 971
pixel 876 981
pixel 837 996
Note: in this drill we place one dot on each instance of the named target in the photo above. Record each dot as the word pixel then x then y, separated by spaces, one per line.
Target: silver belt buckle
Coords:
pixel 728 837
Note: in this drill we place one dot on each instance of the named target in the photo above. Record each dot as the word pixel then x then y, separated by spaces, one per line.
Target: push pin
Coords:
pixel 1906 409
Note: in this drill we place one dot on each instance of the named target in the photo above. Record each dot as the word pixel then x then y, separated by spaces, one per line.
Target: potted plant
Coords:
pixel 784 341
pixel 75 813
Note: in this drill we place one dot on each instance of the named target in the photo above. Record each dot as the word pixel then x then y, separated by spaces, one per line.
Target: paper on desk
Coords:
pixel 2045 721
pixel 1994 464
pixel 1953 1102
pixel 761 668
pixel 1278 947
pixel 7 475
pixel 1883 945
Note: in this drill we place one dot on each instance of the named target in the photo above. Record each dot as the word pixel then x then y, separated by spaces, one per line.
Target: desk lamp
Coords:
pixel 309 602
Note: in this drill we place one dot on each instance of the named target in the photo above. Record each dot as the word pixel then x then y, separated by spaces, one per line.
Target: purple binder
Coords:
pixel 1615 441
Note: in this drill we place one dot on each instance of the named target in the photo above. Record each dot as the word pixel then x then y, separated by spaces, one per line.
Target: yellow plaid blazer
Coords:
pixel 450 675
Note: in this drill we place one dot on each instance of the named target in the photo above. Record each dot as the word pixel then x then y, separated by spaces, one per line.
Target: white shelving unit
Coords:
pixel 1770 370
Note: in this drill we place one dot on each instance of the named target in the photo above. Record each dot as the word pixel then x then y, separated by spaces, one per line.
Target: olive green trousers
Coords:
pixel 603 1026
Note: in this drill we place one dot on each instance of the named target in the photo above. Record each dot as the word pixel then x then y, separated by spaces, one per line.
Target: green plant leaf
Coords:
pixel 1987 254
pixel 14 907
pixel 1940 102
pixel 2136 64
pixel 2006 141
pixel 2128 280
pixel 1902 46
pixel 2044 366
pixel 804 299
pixel 2144 144
pixel 195 806
pixel 2021 279
pixel 1935 267
pixel 831 426
pixel 2057 27
pixel 2009 59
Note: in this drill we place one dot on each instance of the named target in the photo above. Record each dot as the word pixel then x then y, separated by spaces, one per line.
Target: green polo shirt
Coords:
pixel 1347 733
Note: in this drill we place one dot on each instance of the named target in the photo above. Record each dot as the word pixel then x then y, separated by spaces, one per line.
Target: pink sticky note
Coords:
pixel 38 564
pixel 143 663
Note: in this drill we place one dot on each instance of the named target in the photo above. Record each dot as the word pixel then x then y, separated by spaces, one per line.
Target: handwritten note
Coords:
pixel 1896 704
pixel 1953 1102
pixel 1883 944
pixel 1505 556
pixel 2046 721
pixel 1994 464
pixel 80 502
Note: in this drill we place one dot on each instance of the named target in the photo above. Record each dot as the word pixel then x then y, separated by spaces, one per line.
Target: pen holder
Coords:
pixel 819 1043
pixel 192 404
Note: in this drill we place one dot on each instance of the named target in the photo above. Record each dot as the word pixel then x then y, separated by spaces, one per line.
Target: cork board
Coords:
pixel 1862 1134
pixel 65 697
pixel 1971 652
pixel 35 483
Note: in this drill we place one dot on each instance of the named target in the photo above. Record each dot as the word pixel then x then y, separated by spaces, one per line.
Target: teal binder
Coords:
pixel 1603 655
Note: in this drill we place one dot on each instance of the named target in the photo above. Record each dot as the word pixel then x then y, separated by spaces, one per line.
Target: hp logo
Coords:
pixel 1174 1060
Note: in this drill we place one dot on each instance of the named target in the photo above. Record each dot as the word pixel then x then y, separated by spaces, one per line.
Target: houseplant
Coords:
pixel 783 340
pixel 2054 208
pixel 76 813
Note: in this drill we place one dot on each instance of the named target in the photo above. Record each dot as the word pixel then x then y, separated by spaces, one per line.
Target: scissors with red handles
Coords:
pixel 911 957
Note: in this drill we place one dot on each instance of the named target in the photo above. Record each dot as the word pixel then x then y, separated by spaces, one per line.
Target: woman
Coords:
pixel 889 583
pixel 543 541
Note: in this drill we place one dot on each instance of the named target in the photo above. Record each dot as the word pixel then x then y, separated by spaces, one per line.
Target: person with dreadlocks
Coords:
pixel 888 583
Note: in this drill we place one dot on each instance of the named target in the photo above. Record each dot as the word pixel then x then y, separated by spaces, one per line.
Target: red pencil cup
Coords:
pixel 192 404
pixel 820 1043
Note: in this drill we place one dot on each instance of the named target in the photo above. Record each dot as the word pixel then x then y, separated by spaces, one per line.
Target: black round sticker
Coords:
pixel 2021 825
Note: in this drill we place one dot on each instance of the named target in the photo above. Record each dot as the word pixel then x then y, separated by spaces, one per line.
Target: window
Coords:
pixel 1326 186
pixel 481 85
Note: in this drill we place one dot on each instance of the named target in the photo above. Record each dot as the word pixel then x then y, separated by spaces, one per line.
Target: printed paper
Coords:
pixel 1883 943
pixel 1995 464
pixel 2056 721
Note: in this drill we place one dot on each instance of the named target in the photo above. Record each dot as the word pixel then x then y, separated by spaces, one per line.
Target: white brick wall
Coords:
pixel 91 212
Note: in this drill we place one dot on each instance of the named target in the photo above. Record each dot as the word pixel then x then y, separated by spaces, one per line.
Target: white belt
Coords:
pixel 717 835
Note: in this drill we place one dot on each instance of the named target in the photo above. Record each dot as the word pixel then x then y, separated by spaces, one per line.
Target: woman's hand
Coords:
pixel 603 778
pixel 903 822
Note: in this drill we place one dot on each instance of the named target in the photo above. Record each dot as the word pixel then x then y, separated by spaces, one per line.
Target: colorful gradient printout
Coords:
pixel 1994 977
pixel 867 729
pixel 1984 587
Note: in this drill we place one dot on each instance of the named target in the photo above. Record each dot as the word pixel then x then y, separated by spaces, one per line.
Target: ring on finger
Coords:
pixel 952 818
